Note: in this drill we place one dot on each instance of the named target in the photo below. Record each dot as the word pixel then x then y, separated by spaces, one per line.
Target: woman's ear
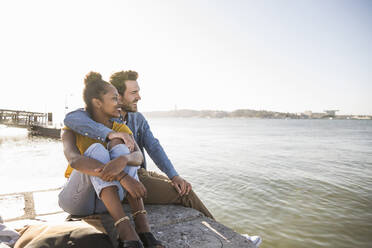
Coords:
pixel 96 103
pixel 120 98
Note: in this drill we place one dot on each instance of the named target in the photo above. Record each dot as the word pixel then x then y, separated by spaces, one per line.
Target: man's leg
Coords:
pixel 161 191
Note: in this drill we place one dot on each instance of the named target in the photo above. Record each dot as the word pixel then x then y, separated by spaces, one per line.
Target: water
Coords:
pixel 296 183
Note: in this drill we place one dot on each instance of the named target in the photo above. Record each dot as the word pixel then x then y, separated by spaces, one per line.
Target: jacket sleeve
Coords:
pixel 156 151
pixel 80 122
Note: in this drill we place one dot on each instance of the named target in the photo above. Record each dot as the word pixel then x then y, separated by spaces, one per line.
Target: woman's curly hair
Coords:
pixel 95 87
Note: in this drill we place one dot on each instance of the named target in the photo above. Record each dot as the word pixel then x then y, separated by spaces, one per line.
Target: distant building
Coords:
pixel 308 113
pixel 331 113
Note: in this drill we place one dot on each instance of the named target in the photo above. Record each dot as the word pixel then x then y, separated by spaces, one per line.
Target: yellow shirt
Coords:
pixel 84 142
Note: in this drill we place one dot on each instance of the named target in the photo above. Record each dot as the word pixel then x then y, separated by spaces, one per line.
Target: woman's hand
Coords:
pixel 112 169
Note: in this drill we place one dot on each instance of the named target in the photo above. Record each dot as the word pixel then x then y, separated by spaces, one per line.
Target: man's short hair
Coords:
pixel 118 79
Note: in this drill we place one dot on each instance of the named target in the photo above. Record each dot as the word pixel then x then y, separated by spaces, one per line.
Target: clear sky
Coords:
pixel 279 55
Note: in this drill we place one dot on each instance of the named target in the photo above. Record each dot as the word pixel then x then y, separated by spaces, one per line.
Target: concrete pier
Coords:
pixel 175 226
pixel 180 227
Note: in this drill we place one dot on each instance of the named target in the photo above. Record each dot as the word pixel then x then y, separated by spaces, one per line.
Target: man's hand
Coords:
pixel 112 169
pixel 181 185
pixel 134 187
pixel 126 137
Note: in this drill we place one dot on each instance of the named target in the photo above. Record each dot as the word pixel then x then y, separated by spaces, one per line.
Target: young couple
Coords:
pixel 104 145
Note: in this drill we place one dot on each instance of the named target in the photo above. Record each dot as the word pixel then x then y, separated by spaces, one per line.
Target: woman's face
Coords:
pixel 110 102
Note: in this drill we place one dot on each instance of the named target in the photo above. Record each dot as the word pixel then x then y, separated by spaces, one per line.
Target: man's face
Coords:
pixel 131 96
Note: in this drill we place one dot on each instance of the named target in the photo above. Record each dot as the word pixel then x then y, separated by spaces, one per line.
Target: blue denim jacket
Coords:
pixel 80 122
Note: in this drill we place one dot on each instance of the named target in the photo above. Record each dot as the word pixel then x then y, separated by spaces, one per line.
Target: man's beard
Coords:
pixel 128 108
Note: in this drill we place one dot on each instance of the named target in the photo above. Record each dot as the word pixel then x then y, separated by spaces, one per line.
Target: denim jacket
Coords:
pixel 80 122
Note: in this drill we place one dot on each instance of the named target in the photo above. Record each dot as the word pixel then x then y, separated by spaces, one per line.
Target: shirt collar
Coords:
pixel 124 119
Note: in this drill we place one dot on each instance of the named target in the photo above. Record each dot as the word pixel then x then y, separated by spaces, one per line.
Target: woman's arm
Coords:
pixel 75 159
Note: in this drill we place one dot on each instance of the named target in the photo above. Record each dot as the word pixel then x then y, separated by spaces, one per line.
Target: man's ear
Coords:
pixel 96 103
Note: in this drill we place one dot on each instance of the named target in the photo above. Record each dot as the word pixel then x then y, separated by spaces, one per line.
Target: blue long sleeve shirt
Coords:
pixel 81 122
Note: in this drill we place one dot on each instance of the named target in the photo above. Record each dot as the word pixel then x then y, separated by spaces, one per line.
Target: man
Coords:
pixel 172 189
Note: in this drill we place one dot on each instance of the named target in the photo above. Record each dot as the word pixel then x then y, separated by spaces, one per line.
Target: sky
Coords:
pixel 278 55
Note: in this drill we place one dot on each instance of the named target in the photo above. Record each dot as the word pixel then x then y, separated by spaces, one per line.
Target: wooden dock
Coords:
pixel 36 122
pixel 24 118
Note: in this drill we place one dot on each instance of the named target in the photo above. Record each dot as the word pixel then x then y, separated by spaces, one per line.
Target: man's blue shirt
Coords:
pixel 80 122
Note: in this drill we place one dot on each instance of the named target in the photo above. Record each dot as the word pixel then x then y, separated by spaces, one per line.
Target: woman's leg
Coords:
pixel 78 196
pixel 136 204
pixel 78 187
pixel 99 152
pixel 110 195
pixel 111 199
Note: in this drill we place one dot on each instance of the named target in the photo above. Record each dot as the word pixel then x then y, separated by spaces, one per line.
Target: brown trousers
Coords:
pixel 161 191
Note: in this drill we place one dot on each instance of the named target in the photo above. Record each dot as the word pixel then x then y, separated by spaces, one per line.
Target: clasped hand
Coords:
pixel 111 171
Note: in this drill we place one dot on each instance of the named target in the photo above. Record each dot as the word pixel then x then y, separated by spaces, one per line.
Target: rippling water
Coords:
pixel 296 183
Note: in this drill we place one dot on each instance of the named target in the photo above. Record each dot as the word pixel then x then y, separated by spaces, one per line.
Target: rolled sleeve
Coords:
pixel 80 122
pixel 156 152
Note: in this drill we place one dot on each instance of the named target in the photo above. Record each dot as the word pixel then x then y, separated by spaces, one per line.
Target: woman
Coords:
pixel 100 178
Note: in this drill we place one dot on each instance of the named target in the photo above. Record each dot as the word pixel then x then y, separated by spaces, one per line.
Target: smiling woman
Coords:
pixel 99 94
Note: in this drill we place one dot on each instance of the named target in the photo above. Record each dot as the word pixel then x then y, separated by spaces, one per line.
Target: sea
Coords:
pixel 295 183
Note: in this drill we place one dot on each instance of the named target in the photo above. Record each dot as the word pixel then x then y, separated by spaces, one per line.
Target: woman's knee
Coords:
pixel 98 152
pixel 119 150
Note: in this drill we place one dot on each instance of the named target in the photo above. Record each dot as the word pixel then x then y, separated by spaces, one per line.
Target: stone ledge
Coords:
pixel 175 226
pixel 180 227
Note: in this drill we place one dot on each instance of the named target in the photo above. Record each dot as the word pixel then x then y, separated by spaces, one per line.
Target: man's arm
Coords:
pixel 80 122
pixel 156 151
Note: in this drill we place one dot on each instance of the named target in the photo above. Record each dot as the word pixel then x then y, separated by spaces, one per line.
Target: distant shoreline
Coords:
pixel 248 113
